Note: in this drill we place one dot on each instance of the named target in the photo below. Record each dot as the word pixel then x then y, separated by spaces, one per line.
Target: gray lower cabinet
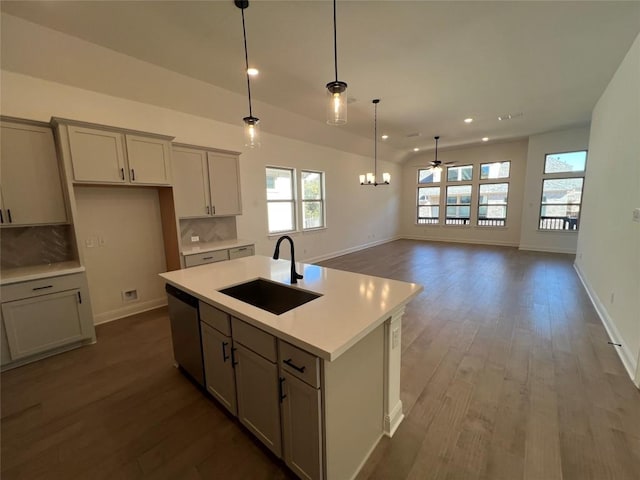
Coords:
pixel 44 316
pixel 257 386
pixel 301 427
pixel 218 367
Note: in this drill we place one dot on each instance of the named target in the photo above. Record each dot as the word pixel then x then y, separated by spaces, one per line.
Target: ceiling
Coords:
pixel 432 64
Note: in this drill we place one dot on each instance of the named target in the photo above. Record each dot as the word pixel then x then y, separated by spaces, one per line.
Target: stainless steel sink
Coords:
pixel 270 296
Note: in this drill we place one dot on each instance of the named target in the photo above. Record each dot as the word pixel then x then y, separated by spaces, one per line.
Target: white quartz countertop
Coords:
pixel 351 306
pixel 36 272
pixel 202 247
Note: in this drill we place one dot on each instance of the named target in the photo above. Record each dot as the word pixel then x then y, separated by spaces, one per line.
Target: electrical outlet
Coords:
pixel 195 238
pixel 89 242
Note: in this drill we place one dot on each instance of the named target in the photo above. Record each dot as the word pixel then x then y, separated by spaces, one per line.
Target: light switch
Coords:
pixel 636 215
pixel 195 238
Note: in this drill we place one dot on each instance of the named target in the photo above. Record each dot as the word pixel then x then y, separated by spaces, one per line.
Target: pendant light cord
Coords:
pixel 246 61
pixel 375 141
pixel 335 40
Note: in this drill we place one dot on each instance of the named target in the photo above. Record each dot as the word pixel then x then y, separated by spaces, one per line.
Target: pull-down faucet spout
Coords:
pixel 276 254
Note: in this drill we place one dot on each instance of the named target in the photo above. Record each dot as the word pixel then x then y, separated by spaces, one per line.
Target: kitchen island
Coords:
pixel 331 364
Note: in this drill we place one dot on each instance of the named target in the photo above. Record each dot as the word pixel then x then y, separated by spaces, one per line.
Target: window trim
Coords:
pixel 492 180
pixel 506 203
pixel 418 218
pixel 322 200
pixel 446 204
pixel 293 201
pixel 460 166
pixel 561 176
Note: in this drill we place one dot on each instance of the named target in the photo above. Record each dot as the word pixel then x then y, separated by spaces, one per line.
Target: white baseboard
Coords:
pixel 535 248
pixel 624 352
pixel 459 240
pixel 134 308
pixel 346 251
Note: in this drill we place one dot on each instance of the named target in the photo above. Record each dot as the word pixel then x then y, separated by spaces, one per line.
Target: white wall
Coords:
pixel 125 250
pixel 515 152
pixel 539 145
pixel 608 257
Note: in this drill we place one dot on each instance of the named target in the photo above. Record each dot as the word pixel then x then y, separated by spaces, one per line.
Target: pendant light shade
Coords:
pixel 370 178
pixel 336 90
pixel 251 123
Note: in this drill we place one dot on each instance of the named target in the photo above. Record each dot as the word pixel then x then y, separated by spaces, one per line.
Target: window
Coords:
pixel 562 185
pixel 280 200
pixel 492 204
pixel 460 174
pixel 490 171
pixel 458 205
pixel 312 199
pixel 428 205
pixel 429 175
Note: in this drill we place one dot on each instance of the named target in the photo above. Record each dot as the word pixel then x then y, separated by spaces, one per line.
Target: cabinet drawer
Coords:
pixel 33 288
pixel 206 257
pixel 240 252
pixel 299 363
pixel 260 342
pixel 215 318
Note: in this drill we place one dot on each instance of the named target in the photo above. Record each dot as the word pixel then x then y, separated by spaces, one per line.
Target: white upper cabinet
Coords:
pixel 205 183
pixel 31 188
pixel 118 157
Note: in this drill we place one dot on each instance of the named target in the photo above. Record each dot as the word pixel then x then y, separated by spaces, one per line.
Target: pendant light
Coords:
pixel 336 90
pixel 370 178
pixel 251 123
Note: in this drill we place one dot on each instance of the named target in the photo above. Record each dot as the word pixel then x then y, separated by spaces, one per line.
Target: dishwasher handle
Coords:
pixel 182 296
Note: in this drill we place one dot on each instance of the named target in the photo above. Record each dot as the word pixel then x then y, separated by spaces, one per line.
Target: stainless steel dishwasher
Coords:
pixel 185 333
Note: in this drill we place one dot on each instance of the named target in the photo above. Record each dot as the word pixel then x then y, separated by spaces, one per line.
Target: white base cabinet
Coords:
pixel 218 367
pixel 45 316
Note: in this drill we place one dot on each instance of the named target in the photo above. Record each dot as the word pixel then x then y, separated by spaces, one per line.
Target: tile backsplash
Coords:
pixel 208 229
pixel 39 245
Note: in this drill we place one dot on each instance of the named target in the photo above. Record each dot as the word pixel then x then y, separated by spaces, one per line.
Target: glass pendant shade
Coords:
pixel 336 103
pixel 251 132
pixel 386 177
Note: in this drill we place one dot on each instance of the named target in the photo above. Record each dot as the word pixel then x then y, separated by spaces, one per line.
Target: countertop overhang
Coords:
pixel 351 306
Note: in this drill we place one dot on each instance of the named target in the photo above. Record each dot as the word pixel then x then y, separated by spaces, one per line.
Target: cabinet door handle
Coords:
pixel 233 357
pixel 294 366
pixel 225 357
pixel 1 217
pixel 42 288
pixel 9 215
pixel 133 175
pixel 208 212
pixel 281 389
pixel 122 173
pixel 79 298
pixel 213 207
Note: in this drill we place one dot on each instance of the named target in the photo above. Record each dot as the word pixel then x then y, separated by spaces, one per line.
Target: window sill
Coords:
pixel 564 232
pixel 311 230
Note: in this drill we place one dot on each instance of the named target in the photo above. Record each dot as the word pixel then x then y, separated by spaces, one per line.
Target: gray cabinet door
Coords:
pixel 149 160
pixel 301 427
pixel 258 399
pixel 218 368
pixel 45 322
pixel 191 182
pixel 97 155
pixel 224 180
pixel 31 183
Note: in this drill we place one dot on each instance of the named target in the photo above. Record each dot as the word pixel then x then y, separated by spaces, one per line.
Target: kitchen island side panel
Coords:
pixel 353 406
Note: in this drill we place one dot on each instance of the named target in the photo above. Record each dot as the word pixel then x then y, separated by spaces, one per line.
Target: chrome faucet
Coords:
pixel 276 254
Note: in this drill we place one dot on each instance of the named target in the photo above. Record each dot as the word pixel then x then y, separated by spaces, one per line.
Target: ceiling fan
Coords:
pixel 437 164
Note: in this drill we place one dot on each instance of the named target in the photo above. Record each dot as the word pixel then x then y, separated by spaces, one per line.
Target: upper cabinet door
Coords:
pixel 224 179
pixel 31 186
pixel 97 155
pixel 149 160
pixel 190 183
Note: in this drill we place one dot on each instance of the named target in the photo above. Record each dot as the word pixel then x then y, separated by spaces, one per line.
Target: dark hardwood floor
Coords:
pixel 506 374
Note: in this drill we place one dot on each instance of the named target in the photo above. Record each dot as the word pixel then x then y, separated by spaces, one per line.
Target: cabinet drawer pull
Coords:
pixel 281 390
pixel 42 288
pixel 79 298
pixel 294 366
pixel 207 258
pixel 233 357
pixel 122 173
pixel 9 215
pixel 133 175
pixel 225 357
pixel 242 249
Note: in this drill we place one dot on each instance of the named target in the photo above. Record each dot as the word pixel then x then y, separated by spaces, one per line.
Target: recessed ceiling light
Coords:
pixel 384 137
pixel 416 149
pixel 252 71
pixel 485 139
pixel 468 120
